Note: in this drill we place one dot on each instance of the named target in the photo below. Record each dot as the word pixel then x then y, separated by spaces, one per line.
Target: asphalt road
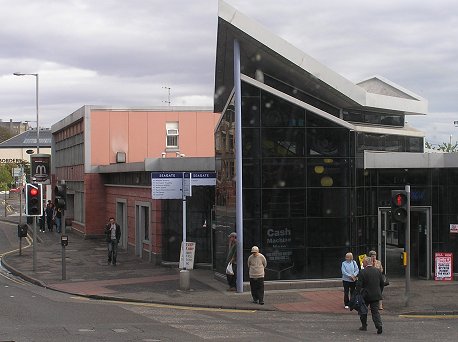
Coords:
pixel 31 313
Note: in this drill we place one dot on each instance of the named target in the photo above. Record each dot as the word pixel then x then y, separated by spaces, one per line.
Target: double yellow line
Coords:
pixel 430 316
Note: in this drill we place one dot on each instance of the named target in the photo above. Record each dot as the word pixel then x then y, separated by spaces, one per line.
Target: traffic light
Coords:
pixel 399 206
pixel 60 193
pixel 33 199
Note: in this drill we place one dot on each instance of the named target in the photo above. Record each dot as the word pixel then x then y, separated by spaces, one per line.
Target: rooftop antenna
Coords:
pixel 168 99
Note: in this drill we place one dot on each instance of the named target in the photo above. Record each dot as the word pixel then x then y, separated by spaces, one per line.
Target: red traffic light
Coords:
pixel 33 191
pixel 399 200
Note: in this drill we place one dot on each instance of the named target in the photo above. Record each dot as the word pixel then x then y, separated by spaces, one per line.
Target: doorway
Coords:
pixel 121 219
pixel 391 242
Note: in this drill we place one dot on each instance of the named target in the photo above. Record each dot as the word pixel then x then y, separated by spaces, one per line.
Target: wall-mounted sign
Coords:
pixel 443 269
pixel 454 228
pixel 41 168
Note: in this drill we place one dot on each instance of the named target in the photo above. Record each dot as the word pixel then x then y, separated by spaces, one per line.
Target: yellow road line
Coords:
pixel 180 307
pixel 20 282
pixel 430 316
pixel 29 243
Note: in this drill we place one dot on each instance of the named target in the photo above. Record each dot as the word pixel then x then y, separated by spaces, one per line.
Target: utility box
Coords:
pixel 22 230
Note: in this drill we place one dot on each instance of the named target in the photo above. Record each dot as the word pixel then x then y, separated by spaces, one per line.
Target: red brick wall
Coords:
pixel 132 195
pixel 96 214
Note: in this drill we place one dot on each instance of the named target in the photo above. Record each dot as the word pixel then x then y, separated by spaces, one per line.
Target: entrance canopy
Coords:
pixel 272 60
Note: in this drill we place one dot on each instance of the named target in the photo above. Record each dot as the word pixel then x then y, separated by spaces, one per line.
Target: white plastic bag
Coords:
pixel 229 269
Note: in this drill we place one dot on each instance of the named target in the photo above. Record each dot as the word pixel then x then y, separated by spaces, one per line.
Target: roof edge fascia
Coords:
pixel 310 65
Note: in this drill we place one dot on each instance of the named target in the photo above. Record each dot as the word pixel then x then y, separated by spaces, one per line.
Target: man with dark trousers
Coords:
pixel 113 234
pixel 370 285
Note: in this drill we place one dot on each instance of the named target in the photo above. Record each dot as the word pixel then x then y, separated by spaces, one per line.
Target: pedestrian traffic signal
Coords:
pixel 399 206
pixel 33 199
pixel 60 193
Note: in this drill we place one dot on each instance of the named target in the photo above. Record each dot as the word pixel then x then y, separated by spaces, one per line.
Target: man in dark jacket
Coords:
pixel 370 286
pixel 112 234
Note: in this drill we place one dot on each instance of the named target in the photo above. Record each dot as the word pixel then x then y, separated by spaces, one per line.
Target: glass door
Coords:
pixel 391 242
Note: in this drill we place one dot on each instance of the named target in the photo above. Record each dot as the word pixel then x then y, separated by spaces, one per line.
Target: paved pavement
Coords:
pixel 134 279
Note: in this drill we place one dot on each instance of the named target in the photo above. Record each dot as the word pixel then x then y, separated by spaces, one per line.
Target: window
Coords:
pixel 172 134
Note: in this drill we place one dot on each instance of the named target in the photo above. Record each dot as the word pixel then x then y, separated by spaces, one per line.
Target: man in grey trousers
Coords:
pixel 370 286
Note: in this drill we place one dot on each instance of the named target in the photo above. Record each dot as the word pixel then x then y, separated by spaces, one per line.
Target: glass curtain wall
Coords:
pixel 297 184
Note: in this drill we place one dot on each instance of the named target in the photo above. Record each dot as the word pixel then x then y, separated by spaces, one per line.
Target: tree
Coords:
pixel 6 179
pixel 5 134
pixel 443 147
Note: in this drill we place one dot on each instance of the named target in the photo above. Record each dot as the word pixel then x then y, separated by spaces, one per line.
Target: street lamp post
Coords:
pixel 34 252
pixel 36 104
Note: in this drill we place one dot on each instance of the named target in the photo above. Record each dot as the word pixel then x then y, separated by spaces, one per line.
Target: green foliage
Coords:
pixel 443 147
pixel 6 179
pixel 5 134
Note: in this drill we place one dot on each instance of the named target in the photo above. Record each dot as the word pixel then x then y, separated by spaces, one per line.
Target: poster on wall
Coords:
pixel 443 269
pixel 40 165
pixel 454 228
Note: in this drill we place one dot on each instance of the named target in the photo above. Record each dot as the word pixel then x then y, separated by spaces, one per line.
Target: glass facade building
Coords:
pixel 300 185
pixel 309 194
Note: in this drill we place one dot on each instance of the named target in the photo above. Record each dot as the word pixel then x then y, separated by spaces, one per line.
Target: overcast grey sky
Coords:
pixel 114 52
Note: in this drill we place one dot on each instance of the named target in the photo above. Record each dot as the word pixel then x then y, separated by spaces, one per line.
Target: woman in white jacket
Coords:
pixel 256 265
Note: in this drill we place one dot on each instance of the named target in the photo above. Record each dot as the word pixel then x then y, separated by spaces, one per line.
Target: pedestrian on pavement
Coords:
pixel 378 265
pixel 370 285
pixel 256 270
pixel 58 220
pixel 232 259
pixel 42 221
pixel 350 272
pixel 49 215
pixel 113 235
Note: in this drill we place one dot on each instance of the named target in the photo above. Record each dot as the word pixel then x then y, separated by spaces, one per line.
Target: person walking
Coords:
pixel 113 235
pixel 232 259
pixel 58 220
pixel 370 285
pixel 378 265
pixel 350 272
pixel 49 215
pixel 256 270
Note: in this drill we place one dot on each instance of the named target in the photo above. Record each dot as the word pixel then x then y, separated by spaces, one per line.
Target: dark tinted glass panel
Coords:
pixel 251 203
pixel 252 234
pixel 328 202
pixel 324 262
pixel 250 90
pixel 251 173
pixel 276 112
pixel 251 143
pixel 283 172
pixel 286 142
pixel 373 118
pixel 327 232
pixel 332 142
pixel 283 203
pixel 392 143
pixel 327 172
pixel 300 95
pixel 250 111
pixel 414 145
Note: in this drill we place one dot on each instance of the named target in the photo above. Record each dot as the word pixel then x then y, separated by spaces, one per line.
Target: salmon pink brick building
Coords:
pixel 106 156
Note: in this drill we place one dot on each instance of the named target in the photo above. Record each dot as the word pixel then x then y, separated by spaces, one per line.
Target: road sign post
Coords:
pixel 178 185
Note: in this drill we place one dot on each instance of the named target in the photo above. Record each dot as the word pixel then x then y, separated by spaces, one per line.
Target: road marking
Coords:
pixel 430 316
pixel 80 298
pixel 121 331
pixel 180 307
pixel 17 281
pixel 86 330
pixel 29 243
